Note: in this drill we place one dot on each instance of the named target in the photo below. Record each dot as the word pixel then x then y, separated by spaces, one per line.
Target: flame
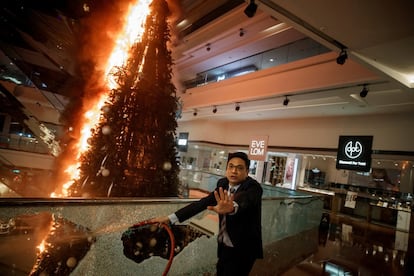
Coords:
pixel 42 246
pixel 134 27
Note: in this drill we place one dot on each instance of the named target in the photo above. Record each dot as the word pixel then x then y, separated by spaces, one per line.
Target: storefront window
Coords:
pixel 387 177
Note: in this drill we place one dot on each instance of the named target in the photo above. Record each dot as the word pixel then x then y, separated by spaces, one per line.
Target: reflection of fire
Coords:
pixel 131 33
pixel 63 247
pixel 42 246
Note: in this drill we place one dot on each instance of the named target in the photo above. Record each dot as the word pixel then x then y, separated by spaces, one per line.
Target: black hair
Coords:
pixel 240 155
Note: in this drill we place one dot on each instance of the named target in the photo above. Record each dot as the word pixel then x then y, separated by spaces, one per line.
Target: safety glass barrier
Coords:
pixel 94 236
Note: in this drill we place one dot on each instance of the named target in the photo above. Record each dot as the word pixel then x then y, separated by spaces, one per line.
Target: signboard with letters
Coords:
pixel 354 153
pixel 258 148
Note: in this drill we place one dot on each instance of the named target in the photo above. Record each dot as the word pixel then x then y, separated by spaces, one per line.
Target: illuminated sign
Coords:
pixel 182 142
pixel 354 153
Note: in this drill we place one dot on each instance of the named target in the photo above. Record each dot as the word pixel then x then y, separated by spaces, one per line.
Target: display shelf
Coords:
pixel 277 171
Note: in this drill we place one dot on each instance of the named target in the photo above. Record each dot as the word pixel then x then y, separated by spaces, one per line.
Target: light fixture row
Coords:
pixel 242 32
pixel 285 102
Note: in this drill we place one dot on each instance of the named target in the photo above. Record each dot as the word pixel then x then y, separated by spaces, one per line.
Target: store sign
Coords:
pixel 182 141
pixel 350 200
pixel 354 153
pixel 258 148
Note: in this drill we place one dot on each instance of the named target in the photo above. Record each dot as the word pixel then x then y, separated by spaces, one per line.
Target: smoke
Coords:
pixel 96 39
pixel 95 42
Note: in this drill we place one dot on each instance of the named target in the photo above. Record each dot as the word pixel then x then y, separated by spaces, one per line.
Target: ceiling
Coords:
pixel 40 44
pixel 385 48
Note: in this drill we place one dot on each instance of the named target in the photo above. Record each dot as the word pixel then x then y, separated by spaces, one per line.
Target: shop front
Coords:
pixel 380 194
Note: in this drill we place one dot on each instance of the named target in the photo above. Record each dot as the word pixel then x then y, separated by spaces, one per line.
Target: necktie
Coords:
pixel 222 230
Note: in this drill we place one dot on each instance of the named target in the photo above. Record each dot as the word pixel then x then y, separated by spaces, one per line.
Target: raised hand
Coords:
pixel 224 202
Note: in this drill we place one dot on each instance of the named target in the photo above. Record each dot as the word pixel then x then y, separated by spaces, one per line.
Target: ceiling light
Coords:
pixel 342 57
pixel 241 33
pixel 364 91
pixel 251 9
pixel 237 107
pixel 286 101
pixel 208 47
pixel 215 109
pixel 195 112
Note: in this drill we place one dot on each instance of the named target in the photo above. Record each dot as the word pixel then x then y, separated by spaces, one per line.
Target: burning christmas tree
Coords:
pixel 132 150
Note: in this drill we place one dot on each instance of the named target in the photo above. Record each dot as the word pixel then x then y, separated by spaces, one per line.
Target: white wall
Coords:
pixel 391 132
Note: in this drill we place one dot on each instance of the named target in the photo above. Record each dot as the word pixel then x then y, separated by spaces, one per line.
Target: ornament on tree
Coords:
pixel 106 130
pixel 167 166
pixel 105 172
pixel 106 109
pixel 71 262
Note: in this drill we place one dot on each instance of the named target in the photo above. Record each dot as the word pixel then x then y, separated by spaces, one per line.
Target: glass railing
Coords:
pixel 294 51
pixel 87 236
pixel 22 143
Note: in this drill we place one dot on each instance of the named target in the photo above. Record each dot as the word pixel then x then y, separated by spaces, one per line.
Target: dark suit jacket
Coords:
pixel 244 227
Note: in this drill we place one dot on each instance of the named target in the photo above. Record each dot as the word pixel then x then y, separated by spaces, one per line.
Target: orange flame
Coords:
pixel 132 32
pixel 42 246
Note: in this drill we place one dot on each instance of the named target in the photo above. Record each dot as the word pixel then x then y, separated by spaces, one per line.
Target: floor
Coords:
pixel 350 246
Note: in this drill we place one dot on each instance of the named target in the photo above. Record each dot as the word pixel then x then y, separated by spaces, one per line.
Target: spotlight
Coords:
pixel 241 32
pixel 342 57
pixel 251 9
pixel 286 101
pixel 195 112
pixel 364 91
pixel 215 109
pixel 208 48
pixel 237 107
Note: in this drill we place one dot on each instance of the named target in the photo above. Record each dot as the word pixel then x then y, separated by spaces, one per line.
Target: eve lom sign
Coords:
pixel 258 148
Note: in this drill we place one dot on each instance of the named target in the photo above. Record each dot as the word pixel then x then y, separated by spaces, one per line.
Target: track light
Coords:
pixel 237 107
pixel 195 112
pixel 364 91
pixel 251 9
pixel 241 33
pixel 343 56
pixel 215 109
pixel 286 101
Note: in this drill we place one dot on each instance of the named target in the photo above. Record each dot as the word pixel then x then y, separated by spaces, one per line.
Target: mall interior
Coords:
pixel 297 75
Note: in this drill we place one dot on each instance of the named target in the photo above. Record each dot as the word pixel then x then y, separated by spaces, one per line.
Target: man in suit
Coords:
pixel 240 231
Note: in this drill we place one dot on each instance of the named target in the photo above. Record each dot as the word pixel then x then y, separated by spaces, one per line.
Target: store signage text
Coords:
pixel 354 153
pixel 258 148
pixel 355 163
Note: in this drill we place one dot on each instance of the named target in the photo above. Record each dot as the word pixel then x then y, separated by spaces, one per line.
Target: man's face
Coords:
pixel 236 171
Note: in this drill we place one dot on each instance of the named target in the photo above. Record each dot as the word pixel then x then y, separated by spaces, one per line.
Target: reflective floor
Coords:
pixel 349 246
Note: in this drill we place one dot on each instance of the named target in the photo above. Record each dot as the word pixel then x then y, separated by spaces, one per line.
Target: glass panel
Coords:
pixel 84 237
